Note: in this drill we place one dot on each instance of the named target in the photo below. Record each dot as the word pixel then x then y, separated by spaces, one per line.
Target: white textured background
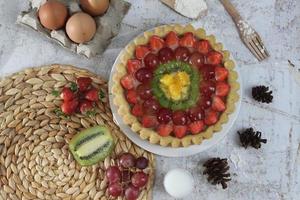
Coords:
pixel 272 172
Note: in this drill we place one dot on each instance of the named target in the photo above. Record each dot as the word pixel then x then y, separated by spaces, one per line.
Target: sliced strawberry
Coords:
pixel 127 82
pixel 137 110
pixel 133 65
pixel 156 43
pixel 222 89
pixel 196 127
pixel 214 58
pixel 69 107
pixel 211 117
pixel 92 95
pixel 131 96
pixel 85 106
pixel 172 39
pixel 141 51
pixel 188 40
pixel 67 94
pixel 84 83
pixel 203 46
pixel 180 131
pixel 221 73
pixel 149 121
pixel 165 129
pixel 218 104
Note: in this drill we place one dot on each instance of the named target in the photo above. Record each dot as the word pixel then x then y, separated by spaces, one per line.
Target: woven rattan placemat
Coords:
pixel 35 162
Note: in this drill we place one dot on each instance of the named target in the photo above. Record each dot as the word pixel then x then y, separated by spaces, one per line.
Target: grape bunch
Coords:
pixel 127 178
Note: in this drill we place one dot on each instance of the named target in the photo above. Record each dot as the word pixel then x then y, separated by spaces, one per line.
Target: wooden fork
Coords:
pixel 248 35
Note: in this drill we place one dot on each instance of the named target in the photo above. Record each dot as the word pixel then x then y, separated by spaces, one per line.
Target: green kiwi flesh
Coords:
pixel 92 145
pixel 193 91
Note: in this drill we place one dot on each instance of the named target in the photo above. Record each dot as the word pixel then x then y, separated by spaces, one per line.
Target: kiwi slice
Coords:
pixel 92 145
pixel 193 90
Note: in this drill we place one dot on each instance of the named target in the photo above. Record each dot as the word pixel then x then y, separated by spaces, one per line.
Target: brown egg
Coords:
pixel 94 7
pixel 81 27
pixel 53 15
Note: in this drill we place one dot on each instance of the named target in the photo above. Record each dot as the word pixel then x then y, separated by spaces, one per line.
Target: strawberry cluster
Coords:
pixel 79 97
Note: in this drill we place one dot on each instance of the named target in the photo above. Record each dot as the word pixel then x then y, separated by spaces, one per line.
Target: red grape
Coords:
pixel 151 61
pixel 141 162
pixel 151 106
pixel 208 72
pixel 179 118
pixel 207 88
pixel 165 54
pixel 143 75
pixel 205 102
pixel 196 59
pixel 182 53
pixel 115 189
pixel 164 116
pixel 139 179
pixel 113 174
pixel 144 91
pixel 196 114
pixel 127 160
pixel 132 193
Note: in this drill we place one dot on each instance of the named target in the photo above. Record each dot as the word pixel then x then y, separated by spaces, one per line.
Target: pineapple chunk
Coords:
pixel 167 79
pixel 175 85
pixel 175 91
pixel 183 78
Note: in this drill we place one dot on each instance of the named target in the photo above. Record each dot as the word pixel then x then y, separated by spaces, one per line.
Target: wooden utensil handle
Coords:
pixel 231 10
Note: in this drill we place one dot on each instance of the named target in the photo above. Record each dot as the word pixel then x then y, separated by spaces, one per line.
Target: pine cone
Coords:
pixel 216 169
pixel 261 94
pixel 249 137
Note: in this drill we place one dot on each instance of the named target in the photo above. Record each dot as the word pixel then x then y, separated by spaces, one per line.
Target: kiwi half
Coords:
pixel 91 145
pixel 193 90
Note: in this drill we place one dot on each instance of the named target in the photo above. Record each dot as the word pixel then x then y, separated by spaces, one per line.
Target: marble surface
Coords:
pixel 272 172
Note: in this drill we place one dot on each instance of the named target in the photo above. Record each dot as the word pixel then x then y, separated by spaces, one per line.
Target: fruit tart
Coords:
pixel 175 86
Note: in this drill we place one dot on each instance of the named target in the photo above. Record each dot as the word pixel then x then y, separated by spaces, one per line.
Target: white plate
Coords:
pixel 169 151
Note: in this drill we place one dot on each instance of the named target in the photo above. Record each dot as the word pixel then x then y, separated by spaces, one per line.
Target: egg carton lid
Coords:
pixel 108 26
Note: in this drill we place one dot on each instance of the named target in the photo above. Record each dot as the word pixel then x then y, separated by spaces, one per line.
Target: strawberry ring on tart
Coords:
pixel 175 86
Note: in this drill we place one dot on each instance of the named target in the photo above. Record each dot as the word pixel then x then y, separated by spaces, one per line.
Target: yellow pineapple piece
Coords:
pixel 183 78
pixel 175 91
pixel 167 79
pixel 175 85
pixel 165 89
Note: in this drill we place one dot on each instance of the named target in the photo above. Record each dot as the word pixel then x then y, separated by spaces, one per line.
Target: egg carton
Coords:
pixel 108 26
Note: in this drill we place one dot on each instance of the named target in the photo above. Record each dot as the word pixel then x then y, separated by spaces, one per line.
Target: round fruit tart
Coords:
pixel 175 86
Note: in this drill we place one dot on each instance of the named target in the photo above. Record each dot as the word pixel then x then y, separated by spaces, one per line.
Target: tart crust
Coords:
pixel 149 134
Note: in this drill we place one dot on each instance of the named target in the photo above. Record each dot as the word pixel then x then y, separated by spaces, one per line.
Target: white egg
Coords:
pixel 179 183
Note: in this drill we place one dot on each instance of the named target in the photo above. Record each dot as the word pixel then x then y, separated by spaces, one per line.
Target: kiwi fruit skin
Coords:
pixel 193 93
pixel 87 135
